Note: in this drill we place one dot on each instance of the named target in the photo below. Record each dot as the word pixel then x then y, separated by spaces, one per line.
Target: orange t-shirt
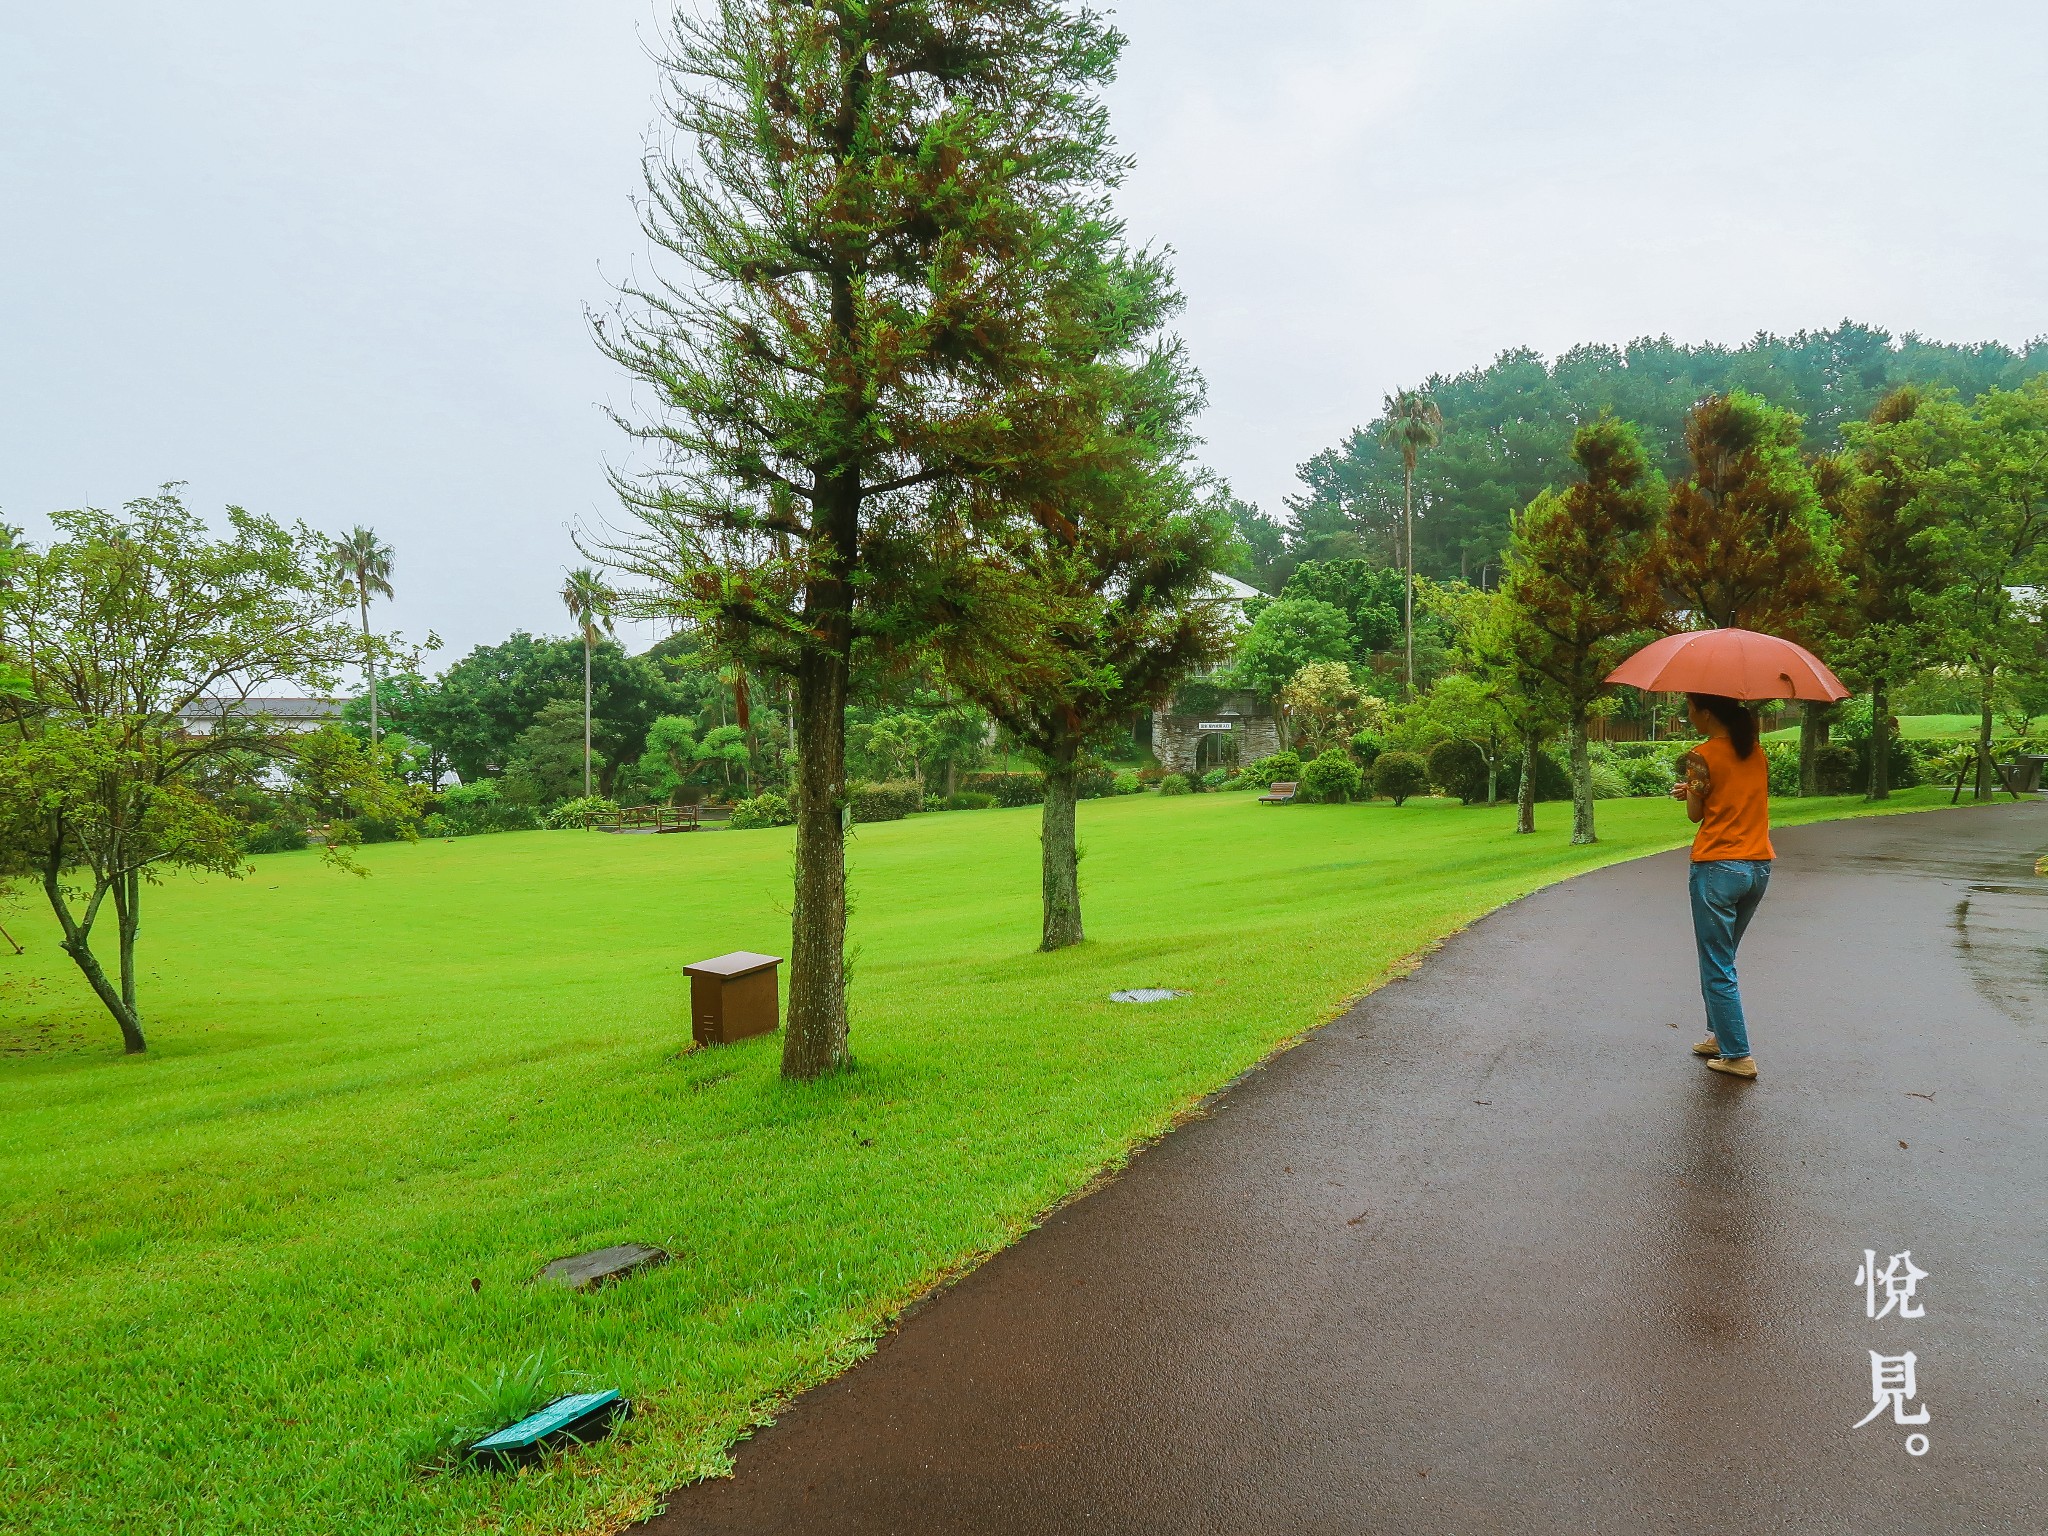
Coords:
pixel 1738 820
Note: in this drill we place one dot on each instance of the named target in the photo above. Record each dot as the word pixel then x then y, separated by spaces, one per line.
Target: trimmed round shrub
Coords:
pixel 1175 784
pixel 885 802
pixel 1010 789
pixel 1397 775
pixel 969 800
pixel 761 811
pixel 1128 782
pixel 1457 767
pixel 1332 779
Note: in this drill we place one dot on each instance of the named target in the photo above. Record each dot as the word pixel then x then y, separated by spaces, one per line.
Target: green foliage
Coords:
pixel 1838 769
pixel 885 802
pixel 1332 778
pixel 1782 758
pixel 1095 783
pixel 1286 636
pixel 1175 784
pixel 1552 781
pixel 1508 429
pixel 546 767
pixel 768 810
pixel 1369 596
pixel 1326 708
pixel 1397 775
pixel 1457 767
pixel 1128 783
pixel 1279 768
pixel 471 809
pixel 1609 783
pixel 282 836
pixel 573 815
pixel 1009 789
pixel 971 800
pixel 483 1407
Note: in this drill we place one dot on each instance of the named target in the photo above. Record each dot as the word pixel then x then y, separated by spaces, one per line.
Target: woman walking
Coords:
pixel 1727 791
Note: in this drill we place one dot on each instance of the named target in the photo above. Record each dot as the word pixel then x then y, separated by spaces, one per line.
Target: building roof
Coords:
pixel 1228 589
pixel 293 709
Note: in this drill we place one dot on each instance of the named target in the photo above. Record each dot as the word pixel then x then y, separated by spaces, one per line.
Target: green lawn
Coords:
pixel 240 1275
pixel 1922 728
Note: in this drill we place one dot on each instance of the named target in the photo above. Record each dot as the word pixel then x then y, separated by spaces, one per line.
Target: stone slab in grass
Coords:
pixel 587 1271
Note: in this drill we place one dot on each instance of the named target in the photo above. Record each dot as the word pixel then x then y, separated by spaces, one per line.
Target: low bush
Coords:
pixel 1216 778
pixel 1457 767
pixel 1332 779
pixel 274 837
pixel 1009 789
pixel 434 824
pixel 1782 759
pixel 1397 775
pixel 1175 784
pixel 1648 774
pixel 476 808
pixel 1608 782
pixel 1552 781
pixel 1366 748
pixel 1128 782
pixel 761 811
pixel 1835 768
pixel 1280 768
pixel 885 802
pixel 969 800
pixel 572 814
pixel 1095 784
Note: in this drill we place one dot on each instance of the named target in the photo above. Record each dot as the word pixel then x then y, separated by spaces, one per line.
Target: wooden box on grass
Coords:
pixel 734 996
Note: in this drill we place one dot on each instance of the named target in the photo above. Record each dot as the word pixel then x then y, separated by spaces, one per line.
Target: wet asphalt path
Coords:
pixel 1493 1253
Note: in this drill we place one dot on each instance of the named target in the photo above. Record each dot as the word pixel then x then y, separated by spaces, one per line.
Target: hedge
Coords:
pixel 885 802
pixel 1010 789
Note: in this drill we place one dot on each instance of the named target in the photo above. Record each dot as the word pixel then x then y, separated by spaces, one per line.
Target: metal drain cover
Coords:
pixel 1146 995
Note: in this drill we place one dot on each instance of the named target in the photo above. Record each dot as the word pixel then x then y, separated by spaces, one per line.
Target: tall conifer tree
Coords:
pixel 869 205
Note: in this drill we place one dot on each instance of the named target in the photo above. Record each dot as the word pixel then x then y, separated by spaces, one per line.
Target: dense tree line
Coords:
pixel 1508 427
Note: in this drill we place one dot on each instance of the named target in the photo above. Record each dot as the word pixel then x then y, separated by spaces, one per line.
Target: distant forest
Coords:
pixel 1508 428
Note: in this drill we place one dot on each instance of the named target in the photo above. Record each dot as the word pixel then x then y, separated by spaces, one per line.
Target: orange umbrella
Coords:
pixel 1738 663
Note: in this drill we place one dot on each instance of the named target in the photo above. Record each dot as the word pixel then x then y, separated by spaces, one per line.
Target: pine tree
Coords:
pixel 869 205
pixel 1582 581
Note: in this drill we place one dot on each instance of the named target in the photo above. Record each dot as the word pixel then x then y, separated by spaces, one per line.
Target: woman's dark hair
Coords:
pixel 1732 713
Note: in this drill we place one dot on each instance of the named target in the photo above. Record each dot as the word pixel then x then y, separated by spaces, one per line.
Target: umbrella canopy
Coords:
pixel 1739 663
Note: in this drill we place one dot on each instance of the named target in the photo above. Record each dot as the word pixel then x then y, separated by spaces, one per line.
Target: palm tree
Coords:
pixel 590 603
pixel 359 560
pixel 1413 424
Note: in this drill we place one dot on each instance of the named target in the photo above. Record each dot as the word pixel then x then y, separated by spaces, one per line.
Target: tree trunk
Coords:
pixel 1061 855
pixel 127 921
pixel 1582 782
pixel 1989 676
pixel 369 665
pixel 1408 539
pixel 1493 770
pixel 1525 796
pixel 77 943
pixel 1880 741
pixel 586 717
pixel 1813 734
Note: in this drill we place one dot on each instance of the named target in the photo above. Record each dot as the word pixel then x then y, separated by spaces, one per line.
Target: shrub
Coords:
pixel 1175 784
pixel 1608 783
pixel 1366 748
pixel 1458 768
pixel 1834 768
pixel 1552 782
pixel 1782 758
pixel 274 837
pixel 479 807
pixel 934 803
pixel 1216 778
pixel 437 825
pixel 1010 789
pixel 1095 784
pixel 1128 783
pixel 969 800
pixel 1332 778
pixel 571 814
pixel 885 802
pixel 1397 775
pixel 1280 768
pixel 1654 775
pixel 761 811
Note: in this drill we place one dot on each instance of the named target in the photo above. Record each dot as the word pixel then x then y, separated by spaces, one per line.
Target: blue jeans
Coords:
pixel 1724 897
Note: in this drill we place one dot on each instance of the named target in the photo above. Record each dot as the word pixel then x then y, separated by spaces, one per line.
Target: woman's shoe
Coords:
pixel 1734 1066
pixel 1707 1047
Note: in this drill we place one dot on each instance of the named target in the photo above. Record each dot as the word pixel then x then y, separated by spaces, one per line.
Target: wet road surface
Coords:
pixel 1493 1253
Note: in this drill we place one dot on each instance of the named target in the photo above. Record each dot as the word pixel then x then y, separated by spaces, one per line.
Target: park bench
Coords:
pixel 644 818
pixel 1280 794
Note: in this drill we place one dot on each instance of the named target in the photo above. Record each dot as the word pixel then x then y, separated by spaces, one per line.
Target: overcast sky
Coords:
pixel 332 261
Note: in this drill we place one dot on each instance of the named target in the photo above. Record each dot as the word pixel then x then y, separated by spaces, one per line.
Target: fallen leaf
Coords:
pixel 1912 1095
pixel 1902 1146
